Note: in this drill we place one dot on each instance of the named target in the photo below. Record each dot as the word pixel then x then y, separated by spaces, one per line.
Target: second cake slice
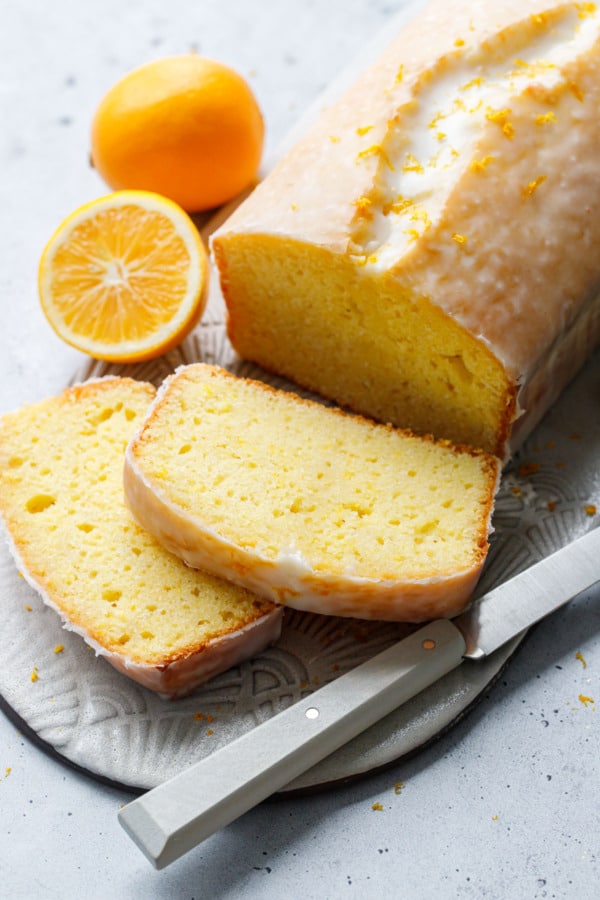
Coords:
pixel 310 506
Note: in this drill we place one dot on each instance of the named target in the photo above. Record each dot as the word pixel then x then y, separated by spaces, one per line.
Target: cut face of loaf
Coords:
pixel 307 505
pixel 428 254
pixel 61 499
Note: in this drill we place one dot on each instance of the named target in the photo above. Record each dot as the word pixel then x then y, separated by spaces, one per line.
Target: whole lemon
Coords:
pixel 186 127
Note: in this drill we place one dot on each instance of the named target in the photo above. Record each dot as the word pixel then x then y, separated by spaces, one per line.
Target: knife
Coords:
pixel 174 817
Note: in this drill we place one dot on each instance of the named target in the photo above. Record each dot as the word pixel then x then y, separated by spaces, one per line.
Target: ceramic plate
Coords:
pixel 81 709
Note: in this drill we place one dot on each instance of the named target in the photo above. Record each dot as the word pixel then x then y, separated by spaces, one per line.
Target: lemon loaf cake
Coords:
pixel 307 505
pixel 428 253
pixel 61 498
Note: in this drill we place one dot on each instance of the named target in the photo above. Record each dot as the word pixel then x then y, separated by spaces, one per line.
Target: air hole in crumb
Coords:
pixel 85 526
pixel 111 594
pixel 39 503
pixel 185 448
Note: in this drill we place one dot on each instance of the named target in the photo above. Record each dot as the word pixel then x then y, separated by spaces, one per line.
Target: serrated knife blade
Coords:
pixel 174 817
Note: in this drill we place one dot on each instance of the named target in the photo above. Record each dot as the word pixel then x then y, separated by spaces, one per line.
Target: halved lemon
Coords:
pixel 124 278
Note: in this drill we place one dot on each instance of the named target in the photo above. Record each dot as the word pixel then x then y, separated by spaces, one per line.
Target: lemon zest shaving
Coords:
pixel 375 150
pixel 545 118
pixel 585 9
pixel 479 165
pixel 500 117
pixel 412 164
pixel 530 189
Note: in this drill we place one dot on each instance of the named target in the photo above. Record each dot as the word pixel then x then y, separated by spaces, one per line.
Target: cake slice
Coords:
pixel 61 498
pixel 428 252
pixel 307 505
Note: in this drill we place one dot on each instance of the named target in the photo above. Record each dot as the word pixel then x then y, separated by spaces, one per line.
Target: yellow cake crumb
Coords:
pixel 85 552
pixel 590 509
pixel 587 701
pixel 377 806
pixel 331 489
pixel 581 659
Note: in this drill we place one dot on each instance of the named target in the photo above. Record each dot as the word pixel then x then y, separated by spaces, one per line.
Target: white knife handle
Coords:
pixel 172 818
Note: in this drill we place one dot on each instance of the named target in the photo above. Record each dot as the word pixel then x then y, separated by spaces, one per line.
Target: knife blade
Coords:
pixel 174 817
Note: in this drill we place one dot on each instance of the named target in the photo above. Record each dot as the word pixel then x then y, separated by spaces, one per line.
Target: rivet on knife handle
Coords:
pixel 172 818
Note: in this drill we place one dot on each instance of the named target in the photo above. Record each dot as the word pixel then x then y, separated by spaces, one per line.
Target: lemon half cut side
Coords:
pixel 124 278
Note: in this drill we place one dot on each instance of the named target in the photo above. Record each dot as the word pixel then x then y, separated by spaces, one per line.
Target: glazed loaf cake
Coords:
pixel 429 252
pixel 307 505
pixel 61 498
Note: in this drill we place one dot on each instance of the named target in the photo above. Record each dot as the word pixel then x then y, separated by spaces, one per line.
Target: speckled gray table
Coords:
pixel 505 804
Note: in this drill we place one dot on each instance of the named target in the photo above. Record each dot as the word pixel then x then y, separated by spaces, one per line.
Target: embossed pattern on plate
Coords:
pixel 96 719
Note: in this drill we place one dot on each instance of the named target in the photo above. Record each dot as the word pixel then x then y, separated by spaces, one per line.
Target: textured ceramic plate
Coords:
pixel 98 720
